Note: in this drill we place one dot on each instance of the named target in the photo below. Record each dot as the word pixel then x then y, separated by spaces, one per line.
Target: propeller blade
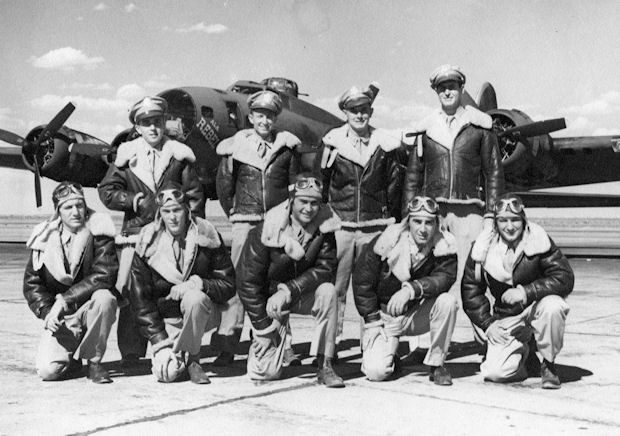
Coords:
pixel 90 149
pixel 486 97
pixel 56 123
pixel 37 181
pixel 536 128
pixel 468 100
pixel 11 138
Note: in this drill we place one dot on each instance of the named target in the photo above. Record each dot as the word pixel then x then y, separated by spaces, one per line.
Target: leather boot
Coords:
pixel 440 376
pixel 195 371
pixel 549 375
pixel 98 374
pixel 326 374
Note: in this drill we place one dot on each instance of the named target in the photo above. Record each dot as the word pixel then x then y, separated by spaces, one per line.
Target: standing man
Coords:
pixel 457 162
pixel 69 283
pixel 180 270
pixel 257 166
pixel 362 169
pixel 529 278
pixel 140 168
pixel 400 285
pixel 289 265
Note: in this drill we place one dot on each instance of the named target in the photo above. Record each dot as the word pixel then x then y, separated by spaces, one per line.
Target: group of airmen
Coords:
pixel 414 234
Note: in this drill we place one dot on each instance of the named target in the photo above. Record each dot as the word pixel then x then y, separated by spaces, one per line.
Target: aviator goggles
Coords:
pixel 426 203
pixel 169 194
pixel 512 204
pixel 307 182
pixel 67 190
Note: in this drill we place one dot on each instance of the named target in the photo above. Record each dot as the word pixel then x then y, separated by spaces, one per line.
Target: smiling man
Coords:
pixel 69 283
pixel 400 285
pixel 529 278
pixel 289 266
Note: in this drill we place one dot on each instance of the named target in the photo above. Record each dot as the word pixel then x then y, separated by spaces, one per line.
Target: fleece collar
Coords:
pixel 46 245
pixel 535 241
pixel 340 141
pixel 243 147
pixel 393 246
pixel 277 231
pixel 436 128
pixel 155 244
pixel 134 154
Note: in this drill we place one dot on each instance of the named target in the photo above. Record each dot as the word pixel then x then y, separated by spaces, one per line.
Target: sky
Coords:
pixel 547 58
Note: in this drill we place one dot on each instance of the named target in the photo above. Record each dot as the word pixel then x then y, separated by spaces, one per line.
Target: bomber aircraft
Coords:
pixel 201 117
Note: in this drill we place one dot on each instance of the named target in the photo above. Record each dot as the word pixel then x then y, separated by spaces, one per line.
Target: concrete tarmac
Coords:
pixel 587 403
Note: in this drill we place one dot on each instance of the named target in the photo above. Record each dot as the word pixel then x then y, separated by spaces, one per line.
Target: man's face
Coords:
pixel 450 94
pixel 263 121
pixel 422 229
pixel 510 228
pixel 305 209
pixel 73 214
pixel 358 117
pixel 152 129
pixel 175 218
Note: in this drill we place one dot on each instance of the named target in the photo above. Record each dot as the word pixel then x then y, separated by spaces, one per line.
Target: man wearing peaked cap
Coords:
pixel 457 161
pixel 69 284
pixel 140 168
pixel 400 284
pixel 256 168
pixel 362 170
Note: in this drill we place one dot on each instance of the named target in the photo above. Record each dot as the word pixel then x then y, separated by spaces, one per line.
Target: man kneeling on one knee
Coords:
pixel 69 283
pixel 400 285
pixel 288 264
pixel 529 278
pixel 180 270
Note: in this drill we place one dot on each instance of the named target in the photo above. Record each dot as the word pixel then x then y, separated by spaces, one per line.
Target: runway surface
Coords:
pixel 588 402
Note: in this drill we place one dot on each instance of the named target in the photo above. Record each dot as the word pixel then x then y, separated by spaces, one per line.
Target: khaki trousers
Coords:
pixel 349 243
pixel 323 306
pixel 198 316
pixel 545 318
pixel 437 315
pixel 82 335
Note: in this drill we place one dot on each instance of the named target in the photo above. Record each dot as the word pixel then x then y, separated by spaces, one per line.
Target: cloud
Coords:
pixel 8 121
pixel 130 92
pixel 205 28
pixel 604 105
pixel 65 59
pixel 159 82
pixel 91 86
pixel 100 7
pixel 130 7
pixel 51 102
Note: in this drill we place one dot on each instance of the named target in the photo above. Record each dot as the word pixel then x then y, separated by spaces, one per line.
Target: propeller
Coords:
pixel 536 128
pixel 48 132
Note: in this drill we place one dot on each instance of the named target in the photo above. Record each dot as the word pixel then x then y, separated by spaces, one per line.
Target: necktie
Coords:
pixel 509 259
pixel 451 121
pixel 262 149
pixel 301 236
pixel 178 254
pixel 152 157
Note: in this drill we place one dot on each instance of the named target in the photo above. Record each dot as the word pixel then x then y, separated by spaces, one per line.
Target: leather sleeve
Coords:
pixel 396 179
pixel 441 278
pixel 220 286
pixel 113 190
pixel 324 173
pixel 492 169
pixel 475 303
pixel 143 302
pixel 414 178
pixel 194 190
pixel 366 281
pixel 225 184
pixel 39 299
pixel 294 166
pixel 323 271
pixel 557 276
pixel 252 279
pixel 102 274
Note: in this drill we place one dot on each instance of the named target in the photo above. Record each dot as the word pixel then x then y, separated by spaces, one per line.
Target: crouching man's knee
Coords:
pixel 52 371
pixel 268 367
pixel 326 295
pixel 503 372
pixel 377 363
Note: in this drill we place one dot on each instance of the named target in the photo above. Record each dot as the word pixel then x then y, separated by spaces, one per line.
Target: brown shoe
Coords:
pixel 440 376
pixel 549 375
pixel 98 374
pixel 225 358
pixel 197 374
pixel 290 358
pixel 326 374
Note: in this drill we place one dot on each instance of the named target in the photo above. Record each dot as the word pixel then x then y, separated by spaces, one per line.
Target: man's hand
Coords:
pixel 398 303
pixel 262 343
pixel 496 334
pixel 54 318
pixel 177 291
pixel 514 296
pixel 161 361
pixel 277 302
pixel 371 334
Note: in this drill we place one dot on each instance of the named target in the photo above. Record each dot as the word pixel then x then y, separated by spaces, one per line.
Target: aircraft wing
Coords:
pixel 11 157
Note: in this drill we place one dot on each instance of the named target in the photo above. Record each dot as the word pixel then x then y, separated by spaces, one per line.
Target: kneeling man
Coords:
pixel 180 270
pixel 288 264
pixel 69 283
pixel 529 278
pixel 400 285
